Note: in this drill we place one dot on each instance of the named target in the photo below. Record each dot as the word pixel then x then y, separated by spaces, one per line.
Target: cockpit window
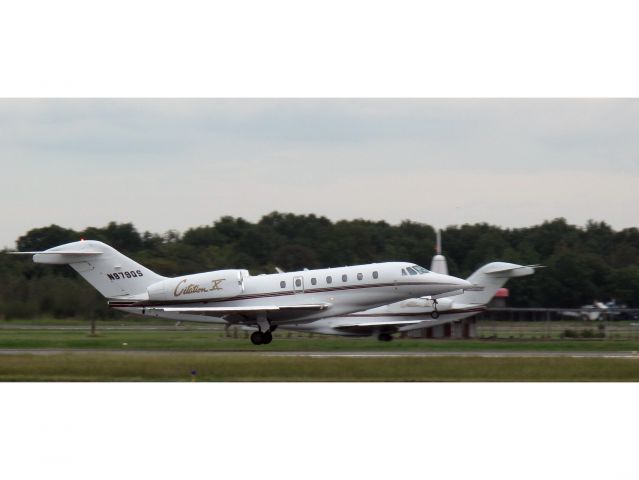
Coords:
pixel 404 272
pixel 411 271
pixel 419 269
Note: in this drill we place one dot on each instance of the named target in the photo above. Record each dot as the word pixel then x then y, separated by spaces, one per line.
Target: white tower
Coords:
pixel 438 264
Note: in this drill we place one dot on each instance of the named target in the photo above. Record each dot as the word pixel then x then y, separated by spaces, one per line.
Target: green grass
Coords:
pixel 138 355
pixel 194 340
pixel 100 366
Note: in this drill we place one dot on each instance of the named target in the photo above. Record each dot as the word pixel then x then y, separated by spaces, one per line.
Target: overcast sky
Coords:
pixel 175 164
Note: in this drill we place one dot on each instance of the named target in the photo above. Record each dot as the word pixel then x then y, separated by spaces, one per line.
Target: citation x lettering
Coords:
pixel 192 288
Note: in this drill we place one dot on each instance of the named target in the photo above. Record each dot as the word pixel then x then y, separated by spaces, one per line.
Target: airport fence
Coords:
pixel 544 323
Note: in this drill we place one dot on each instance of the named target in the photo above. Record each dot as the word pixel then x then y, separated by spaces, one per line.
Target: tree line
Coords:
pixel 583 263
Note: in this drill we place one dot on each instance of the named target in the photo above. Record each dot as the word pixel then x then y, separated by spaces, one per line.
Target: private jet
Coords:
pixel 422 312
pixel 230 297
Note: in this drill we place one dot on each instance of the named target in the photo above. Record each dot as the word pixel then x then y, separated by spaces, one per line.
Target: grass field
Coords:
pixel 171 353
pixel 101 366
pixel 201 340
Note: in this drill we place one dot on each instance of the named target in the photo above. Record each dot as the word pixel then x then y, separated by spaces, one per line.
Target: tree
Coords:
pixel 584 263
pixel 46 237
pixel 624 284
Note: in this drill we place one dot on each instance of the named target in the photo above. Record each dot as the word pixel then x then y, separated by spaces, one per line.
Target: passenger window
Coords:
pixel 360 276
pixel 283 284
pixel 298 282
pixel 375 274
pixel 329 280
pixel 419 269
pixel 344 278
pixel 313 281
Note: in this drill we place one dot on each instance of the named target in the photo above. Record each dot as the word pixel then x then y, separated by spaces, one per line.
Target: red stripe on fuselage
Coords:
pixel 149 303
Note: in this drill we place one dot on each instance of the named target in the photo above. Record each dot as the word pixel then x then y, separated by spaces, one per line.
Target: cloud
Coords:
pixel 171 163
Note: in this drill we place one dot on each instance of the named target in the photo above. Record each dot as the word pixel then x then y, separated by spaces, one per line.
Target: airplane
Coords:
pixel 236 297
pixel 424 312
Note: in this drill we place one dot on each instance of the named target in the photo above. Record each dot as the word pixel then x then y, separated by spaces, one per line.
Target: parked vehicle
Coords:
pixel 600 311
pixel 596 311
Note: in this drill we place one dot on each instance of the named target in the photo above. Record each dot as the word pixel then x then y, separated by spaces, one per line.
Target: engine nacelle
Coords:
pixel 201 286
pixel 443 304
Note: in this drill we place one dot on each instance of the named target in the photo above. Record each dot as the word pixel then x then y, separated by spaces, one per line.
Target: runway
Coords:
pixel 320 354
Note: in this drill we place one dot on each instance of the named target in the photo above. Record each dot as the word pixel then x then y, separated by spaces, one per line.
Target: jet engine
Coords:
pixel 201 286
pixel 442 303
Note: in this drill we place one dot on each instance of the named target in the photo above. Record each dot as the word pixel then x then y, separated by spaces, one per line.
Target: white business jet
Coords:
pixel 424 312
pixel 236 297
pixel 418 313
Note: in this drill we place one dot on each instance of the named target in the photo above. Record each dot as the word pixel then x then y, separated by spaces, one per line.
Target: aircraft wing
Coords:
pixel 216 311
pixel 367 326
pixel 422 316
pixel 398 323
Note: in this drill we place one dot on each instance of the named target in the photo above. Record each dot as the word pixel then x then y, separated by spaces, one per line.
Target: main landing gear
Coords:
pixel 384 337
pixel 261 338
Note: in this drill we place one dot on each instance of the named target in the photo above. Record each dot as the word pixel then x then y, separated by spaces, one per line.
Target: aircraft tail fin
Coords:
pixel 491 277
pixel 107 270
pixel 438 264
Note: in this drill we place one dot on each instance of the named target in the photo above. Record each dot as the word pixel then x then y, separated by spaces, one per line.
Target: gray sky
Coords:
pixel 165 164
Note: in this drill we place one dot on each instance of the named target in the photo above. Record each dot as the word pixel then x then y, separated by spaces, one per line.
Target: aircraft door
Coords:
pixel 298 284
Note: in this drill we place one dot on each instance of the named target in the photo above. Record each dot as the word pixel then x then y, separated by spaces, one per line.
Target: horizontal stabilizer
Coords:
pixel 51 252
pixel 511 269
pixel 107 270
pixel 61 257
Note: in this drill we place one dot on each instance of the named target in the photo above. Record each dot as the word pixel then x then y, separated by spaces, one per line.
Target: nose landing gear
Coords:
pixel 435 313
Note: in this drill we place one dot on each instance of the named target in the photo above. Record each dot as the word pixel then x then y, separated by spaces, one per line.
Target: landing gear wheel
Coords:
pixel 384 337
pixel 267 338
pixel 257 338
pixel 434 314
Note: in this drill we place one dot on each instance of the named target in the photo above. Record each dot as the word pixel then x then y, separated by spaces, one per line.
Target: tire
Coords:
pixel 257 338
pixel 384 337
pixel 267 337
pixel 434 314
